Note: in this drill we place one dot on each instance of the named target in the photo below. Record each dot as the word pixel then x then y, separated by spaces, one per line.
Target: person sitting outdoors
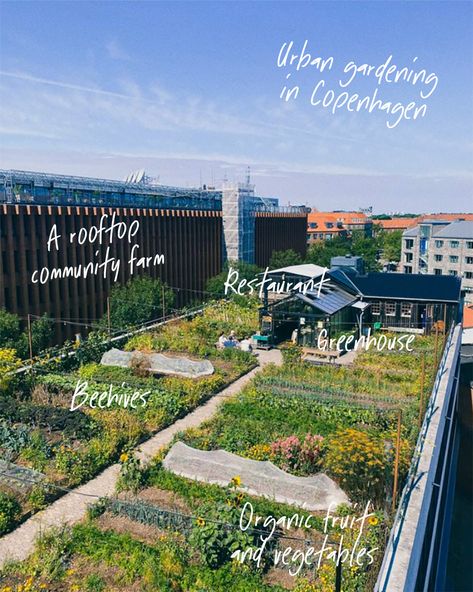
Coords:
pixel 222 340
pixel 245 345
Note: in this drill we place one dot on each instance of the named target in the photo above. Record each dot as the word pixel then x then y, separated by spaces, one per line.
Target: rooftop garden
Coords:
pixel 51 446
pixel 357 424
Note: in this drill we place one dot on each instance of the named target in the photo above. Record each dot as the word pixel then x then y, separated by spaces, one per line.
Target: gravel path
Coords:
pixel 72 507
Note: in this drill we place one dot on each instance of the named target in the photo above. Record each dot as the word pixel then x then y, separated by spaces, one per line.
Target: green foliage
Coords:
pixel 10 329
pixel 14 337
pixel 8 363
pixel 321 252
pixel 94 583
pixel 284 259
pixel 216 285
pixel 37 452
pixel 71 423
pixel 360 461
pixel 131 474
pixel 37 497
pixel 9 512
pixel 390 243
pixel 199 335
pixel 139 301
pixel 13 438
pixel 218 535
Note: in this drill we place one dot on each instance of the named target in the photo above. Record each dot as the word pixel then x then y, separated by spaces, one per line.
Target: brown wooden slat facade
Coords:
pixel 190 240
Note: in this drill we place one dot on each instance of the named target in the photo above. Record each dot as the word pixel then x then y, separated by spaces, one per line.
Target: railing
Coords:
pixel 415 558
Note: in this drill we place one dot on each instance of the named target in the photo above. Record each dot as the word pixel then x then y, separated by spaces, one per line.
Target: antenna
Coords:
pixel 248 175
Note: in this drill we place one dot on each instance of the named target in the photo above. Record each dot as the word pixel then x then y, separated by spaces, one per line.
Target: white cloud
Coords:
pixel 116 52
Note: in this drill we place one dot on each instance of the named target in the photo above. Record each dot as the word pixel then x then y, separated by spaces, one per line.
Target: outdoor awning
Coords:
pixel 361 305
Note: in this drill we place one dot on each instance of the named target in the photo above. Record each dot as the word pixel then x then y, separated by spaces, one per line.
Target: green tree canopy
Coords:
pixel 12 336
pixel 284 259
pixel 321 252
pixel 391 243
pixel 141 300
pixel 216 285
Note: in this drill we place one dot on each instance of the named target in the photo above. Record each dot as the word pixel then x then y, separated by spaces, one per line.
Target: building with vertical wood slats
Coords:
pixel 187 226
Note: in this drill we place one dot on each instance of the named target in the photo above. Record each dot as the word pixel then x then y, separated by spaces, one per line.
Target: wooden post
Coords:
pixel 164 302
pixel 338 577
pixel 396 459
pixel 436 344
pixel 30 338
pixel 108 318
pixel 422 381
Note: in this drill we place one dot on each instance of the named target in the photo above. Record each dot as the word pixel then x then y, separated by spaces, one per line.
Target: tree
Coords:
pixel 140 300
pixel 10 329
pixel 367 248
pixel 321 252
pixel 391 244
pixel 284 259
pixel 216 285
pixel 13 337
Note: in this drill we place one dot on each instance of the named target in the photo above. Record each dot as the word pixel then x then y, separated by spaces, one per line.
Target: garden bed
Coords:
pixel 39 431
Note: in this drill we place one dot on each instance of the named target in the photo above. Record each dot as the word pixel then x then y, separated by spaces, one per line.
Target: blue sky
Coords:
pixel 190 91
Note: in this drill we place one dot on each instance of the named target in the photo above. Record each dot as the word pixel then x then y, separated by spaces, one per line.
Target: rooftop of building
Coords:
pixel 458 230
pixel 407 286
pixel 397 223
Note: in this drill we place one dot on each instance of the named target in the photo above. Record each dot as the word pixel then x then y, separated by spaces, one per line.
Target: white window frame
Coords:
pixel 387 307
pixel 376 311
pixel 406 314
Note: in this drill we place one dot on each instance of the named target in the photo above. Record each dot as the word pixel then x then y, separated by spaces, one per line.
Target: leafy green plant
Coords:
pixel 131 473
pixel 9 512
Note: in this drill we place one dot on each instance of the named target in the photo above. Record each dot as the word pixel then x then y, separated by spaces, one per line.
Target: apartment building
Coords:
pixel 328 225
pixel 441 247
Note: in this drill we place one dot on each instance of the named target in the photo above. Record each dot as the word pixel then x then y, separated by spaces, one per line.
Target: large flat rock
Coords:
pixel 159 363
pixel 261 478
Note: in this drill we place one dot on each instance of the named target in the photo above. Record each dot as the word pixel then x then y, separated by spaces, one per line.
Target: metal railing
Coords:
pixel 415 558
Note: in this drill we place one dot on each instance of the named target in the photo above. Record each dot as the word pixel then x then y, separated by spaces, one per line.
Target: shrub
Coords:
pixel 301 456
pixel 131 474
pixel 215 542
pixel 37 497
pixel 10 511
pixel 357 460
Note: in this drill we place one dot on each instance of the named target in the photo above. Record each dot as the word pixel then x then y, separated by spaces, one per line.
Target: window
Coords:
pixel 438 257
pixel 390 309
pixel 407 269
pixel 409 243
pixel 469 275
pixel 329 235
pixel 438 244
pixel 469 260
pixel 437 271
pixel 329 224
pixel 469 244
pixel 406 309
pixel 454 244
pixel 409 257
pixel 313 225
pixel 376 308
pixel 452 272
pixel 453 258
pixel 308 237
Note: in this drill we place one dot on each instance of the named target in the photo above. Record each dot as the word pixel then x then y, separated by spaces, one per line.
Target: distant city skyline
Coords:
pixel 190 92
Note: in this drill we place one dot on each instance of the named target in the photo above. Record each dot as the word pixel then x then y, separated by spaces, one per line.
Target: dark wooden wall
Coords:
pixel 190 240
pixel 279 232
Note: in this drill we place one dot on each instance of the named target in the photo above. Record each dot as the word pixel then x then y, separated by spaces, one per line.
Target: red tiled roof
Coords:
pixel 398 223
